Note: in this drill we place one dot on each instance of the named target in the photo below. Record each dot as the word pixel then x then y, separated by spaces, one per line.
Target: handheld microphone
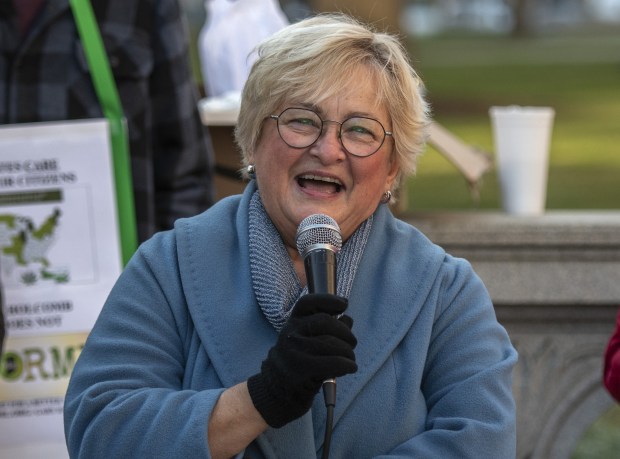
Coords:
pixel 318 240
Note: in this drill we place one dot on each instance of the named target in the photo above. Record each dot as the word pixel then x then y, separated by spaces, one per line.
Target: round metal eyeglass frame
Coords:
pixel 339 123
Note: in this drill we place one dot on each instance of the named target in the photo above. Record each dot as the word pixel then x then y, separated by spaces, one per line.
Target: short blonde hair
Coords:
pixel 316 59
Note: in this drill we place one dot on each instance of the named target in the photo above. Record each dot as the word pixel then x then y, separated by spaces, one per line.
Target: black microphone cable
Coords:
pixel 329 395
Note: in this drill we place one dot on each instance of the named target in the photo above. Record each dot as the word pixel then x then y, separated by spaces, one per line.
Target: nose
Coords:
pixel 329 146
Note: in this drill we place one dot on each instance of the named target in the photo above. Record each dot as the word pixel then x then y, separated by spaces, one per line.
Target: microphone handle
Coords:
pixel 320 265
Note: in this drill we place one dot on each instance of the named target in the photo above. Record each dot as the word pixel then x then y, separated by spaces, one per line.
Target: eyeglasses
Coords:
pixel 359 136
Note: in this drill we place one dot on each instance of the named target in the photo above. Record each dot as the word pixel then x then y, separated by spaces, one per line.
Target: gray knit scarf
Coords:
pixel 275 283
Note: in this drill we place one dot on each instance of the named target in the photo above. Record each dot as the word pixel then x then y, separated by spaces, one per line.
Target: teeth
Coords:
pixel 321 179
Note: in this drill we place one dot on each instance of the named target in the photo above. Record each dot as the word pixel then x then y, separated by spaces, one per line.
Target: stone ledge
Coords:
pixel 555 228
pixel 557 258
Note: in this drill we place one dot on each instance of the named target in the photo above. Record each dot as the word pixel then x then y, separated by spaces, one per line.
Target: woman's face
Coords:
pixel 323 178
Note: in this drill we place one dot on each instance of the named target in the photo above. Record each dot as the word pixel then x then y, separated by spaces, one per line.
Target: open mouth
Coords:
pixel 319 184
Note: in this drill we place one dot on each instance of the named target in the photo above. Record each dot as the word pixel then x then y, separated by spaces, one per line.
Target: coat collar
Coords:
pixel 49 12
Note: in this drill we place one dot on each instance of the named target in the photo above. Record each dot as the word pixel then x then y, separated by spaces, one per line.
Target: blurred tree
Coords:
pixel 520 11
pixel 383 14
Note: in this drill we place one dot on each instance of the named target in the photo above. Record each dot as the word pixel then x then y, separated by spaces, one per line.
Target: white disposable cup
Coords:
pixel 522 137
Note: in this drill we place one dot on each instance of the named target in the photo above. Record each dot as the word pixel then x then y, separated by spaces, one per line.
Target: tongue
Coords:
pixel 319 186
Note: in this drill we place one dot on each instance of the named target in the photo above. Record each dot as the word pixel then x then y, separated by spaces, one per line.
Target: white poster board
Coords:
pixel 59 258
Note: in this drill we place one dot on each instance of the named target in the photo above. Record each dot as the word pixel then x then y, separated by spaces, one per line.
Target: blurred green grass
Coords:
pixel 602 439
pixel 579 76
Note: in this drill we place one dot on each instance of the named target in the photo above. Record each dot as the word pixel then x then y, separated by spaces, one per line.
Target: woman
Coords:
pixel 208 345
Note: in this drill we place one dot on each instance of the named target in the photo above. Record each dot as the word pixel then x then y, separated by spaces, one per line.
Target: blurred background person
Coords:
pixel 611 367
pixel 44 76
pixel 2 326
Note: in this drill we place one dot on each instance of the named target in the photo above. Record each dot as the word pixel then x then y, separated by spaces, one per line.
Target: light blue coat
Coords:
pixel 182 324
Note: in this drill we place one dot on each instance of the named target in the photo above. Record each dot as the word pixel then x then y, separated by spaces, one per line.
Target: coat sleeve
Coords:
pixel 611 369
pixel 126 396
pixel 467 381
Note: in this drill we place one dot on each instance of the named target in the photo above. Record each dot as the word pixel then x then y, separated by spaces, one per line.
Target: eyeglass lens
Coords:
pixel 360 136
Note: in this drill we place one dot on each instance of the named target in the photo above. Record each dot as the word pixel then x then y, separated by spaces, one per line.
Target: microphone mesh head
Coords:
pixel 318 231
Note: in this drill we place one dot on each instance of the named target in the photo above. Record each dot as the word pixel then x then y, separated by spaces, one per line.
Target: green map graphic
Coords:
pixel 24 248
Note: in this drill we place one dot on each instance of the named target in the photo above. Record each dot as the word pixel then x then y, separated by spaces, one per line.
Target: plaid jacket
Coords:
pixel 45 77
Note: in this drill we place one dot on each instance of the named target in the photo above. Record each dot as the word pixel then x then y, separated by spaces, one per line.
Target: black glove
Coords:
pixel 314 345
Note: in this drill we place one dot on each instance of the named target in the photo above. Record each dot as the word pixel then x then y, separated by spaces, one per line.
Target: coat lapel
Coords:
pixel 214 264
pixel 384 301
pixel 238 344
